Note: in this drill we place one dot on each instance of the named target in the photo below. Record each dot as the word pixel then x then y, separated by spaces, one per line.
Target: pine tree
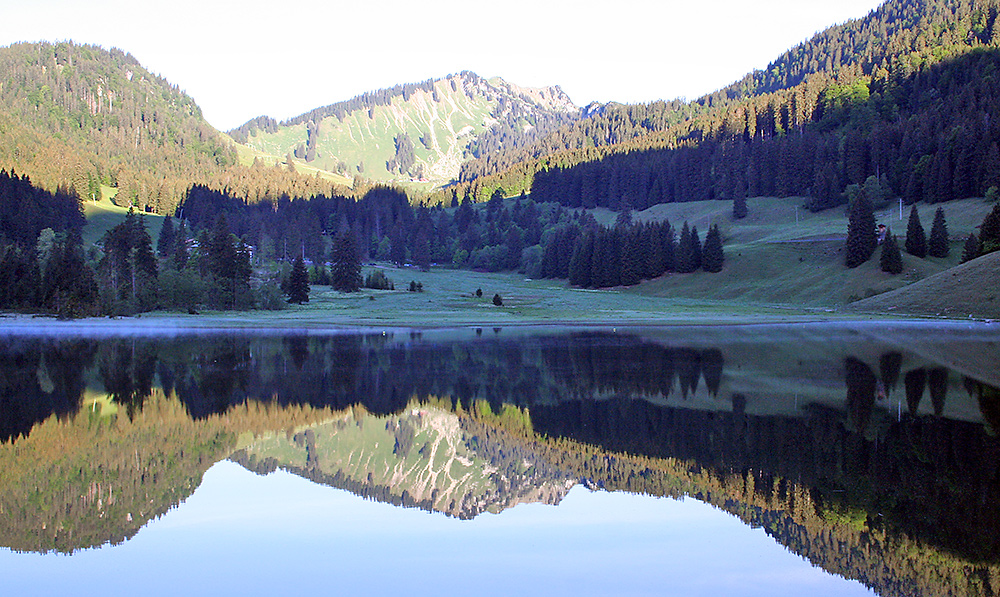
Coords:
pixel 696 250
pixel 989 231
pixel 713 256
pixel 685 255
pixel 971 249
pixel 298 283
pixel 937 244
pixel 345 263
pixel 916 240
pixel 861 235
pixel 580 263
pixel 739 207
pixel 891 261
pixel 179 258
pixel 165 244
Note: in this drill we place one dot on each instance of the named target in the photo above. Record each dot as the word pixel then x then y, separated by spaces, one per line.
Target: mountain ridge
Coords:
pixel 414 132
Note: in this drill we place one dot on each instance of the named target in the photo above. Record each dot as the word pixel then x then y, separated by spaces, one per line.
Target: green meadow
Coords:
pixel 783 264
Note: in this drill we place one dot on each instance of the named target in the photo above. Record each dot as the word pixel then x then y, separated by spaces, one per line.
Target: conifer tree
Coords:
pixel 713 256
pixel 179 258
pixel 891 261
pixel 631 260
pixel 916 239
pixel 685 251
pixel 971 249
pixel 165 244
pixel 695 241
pixel 345 263
pixel 669 244
pixel 580 263
pixel 861 235
pixel 69 289
pixel 937 244
pixel 739 207
pixel 298 283
pixel 989 231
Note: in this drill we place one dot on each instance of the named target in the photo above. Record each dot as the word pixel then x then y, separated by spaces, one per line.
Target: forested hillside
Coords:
pixel 83 117
pixel 414 132
pixel 846 94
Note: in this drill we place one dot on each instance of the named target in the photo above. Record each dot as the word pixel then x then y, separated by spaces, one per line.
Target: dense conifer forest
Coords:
pixel 873 96
pixel 902 103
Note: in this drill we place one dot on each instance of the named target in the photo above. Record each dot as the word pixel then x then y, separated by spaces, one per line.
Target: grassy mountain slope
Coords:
pixel 783 254
pixel 446 120
pixel 971 288
pixel 421 457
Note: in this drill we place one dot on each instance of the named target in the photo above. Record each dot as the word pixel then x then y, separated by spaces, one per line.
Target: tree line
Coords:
pixel 866 97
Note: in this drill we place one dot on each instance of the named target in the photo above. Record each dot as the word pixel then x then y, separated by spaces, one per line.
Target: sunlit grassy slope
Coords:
pixel 104 215
pixel 365 140
pixel 783 254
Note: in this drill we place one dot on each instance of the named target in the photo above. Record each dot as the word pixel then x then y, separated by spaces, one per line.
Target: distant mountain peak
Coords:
pixel 415 132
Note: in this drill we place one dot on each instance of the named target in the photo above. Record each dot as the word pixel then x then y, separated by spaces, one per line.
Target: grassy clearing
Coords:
pixel 783 264
pixel 449 300
pixel 104 215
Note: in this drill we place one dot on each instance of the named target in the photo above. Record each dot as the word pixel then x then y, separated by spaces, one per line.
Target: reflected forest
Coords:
pixel 871 461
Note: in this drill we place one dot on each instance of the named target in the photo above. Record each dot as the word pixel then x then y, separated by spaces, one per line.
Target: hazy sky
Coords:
pixel 241 59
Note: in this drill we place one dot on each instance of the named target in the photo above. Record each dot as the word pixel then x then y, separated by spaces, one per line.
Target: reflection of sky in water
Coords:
pixel 245 534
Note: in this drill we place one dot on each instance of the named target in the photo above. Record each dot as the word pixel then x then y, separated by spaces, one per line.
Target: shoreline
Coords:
pixel 267 323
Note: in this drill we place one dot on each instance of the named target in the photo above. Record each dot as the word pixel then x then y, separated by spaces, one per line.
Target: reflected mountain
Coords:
pixel 424 457
pixel 874 461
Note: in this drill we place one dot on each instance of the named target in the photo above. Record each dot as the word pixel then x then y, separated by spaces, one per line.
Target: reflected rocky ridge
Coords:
pixel 870 452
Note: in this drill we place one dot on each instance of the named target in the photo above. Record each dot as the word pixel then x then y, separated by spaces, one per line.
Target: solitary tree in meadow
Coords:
pixel 916 240
pixel 937 244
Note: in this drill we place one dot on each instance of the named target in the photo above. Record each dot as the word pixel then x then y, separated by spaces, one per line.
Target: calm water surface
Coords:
pixel 812 459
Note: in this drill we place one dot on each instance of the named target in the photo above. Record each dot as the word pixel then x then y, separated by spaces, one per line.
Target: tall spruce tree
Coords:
pixel 989 231
pixel 227 264
pixel 713 256
pixel 739 207
pixel 166 243
pixel 695 248
pixel 345 262
pixel 862 238
pixel 891 261
pixel 580 266
pixel 685 251
pixel 916 239
pixel 298 283
pixel 937 243
pixel 971 249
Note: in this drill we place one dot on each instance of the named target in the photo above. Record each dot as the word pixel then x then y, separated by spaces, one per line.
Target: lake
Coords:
pixel 824 459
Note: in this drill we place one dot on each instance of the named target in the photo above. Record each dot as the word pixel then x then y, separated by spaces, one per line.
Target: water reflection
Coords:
pixel 806 432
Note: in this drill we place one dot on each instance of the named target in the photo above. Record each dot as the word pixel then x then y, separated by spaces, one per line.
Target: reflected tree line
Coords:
pixel 912 474
pixel 40 378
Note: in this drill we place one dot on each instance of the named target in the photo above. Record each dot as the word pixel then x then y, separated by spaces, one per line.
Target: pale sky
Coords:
pixel 241 59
